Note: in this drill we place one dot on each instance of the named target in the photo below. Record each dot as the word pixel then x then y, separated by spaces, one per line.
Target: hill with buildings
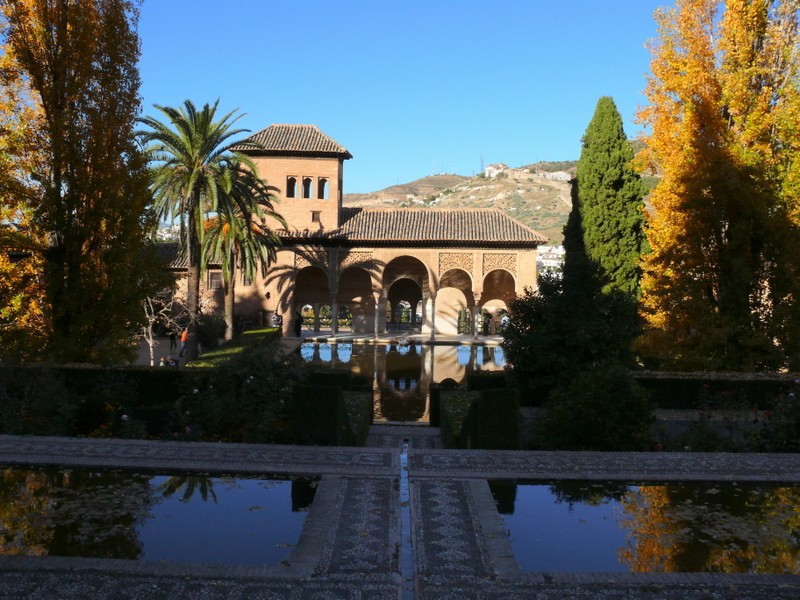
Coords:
pixel 538 195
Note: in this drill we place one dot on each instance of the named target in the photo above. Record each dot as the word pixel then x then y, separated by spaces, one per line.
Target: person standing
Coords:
pixel 173 340
pixel 184 340
pixel 298 323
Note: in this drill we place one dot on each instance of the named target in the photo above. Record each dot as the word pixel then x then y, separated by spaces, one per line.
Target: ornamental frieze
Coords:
pixel 306 258
pixel 506 261
pixel 362 259
pixel 455 260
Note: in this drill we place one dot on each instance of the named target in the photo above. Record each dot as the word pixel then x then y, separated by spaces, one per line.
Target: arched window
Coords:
pixel 308 186
pixel 291 187
pixel 322 188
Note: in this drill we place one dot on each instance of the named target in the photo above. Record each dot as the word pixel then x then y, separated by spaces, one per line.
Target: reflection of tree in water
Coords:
pixel 504 494
pixel 72 512
pixel 724 528
pixel 592 494
pixel 190 484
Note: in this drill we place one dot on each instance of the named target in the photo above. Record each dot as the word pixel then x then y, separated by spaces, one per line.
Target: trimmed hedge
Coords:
pixel 435 405
pixel 486 380
pixel 455 406
pixel 487 419
pixel 320 416
pixel 716 390
pixel 87 400
pixel 493 422
pixel 360 412
pixel 334 377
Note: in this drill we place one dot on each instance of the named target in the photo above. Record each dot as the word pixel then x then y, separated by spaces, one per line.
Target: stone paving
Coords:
pixel 356 542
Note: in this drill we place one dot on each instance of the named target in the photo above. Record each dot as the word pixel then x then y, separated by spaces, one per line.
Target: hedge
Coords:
pixel 488 419
pixel 454 408
pixel 486 380
pixel 715 390
pixel 320 416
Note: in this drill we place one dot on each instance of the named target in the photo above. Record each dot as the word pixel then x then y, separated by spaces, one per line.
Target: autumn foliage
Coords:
pixel 72 178
pixel 721 287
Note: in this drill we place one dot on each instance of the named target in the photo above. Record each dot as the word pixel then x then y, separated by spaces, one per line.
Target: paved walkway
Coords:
pixel 399 519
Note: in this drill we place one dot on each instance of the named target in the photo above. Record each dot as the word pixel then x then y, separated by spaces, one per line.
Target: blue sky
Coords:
pixel 409 87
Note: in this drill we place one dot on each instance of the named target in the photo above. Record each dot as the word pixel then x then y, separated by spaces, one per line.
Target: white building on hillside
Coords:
pixel 495 170
pixel 550 258
pixel 556 175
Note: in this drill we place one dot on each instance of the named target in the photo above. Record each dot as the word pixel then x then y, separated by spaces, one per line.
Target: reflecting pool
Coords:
pixel 676 527
pixel 400 374
pixel 187 518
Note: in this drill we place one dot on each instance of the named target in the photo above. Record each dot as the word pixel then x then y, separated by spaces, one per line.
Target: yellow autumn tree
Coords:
pixel 90 211
pixel 22 323
pixel 720 289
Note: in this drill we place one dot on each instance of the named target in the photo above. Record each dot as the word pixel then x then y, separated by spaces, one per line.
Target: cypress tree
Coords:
pixel 610 200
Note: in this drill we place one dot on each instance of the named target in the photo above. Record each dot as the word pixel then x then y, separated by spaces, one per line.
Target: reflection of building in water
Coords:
pixel 401 374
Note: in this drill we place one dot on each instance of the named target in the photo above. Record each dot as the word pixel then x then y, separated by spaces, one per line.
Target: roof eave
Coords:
pixel 291 153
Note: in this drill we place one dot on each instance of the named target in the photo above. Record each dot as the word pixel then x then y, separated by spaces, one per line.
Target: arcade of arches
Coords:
pixel 379 290
pixel 373 270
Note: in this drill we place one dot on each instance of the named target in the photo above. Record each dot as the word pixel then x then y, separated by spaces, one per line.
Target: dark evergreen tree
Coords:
pixel 610 195
pixel 570 346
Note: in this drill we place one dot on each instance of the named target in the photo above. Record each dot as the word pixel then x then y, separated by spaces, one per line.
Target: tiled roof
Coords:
pixel 292 140
pixel 470 227
pixel 169 254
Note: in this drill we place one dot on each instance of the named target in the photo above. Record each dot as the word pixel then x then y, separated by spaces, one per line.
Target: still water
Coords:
pixel 400 375
pixel 676 527
pixel 188 518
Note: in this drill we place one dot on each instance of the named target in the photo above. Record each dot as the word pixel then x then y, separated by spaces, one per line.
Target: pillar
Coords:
pixel 476 310
pixel 334 315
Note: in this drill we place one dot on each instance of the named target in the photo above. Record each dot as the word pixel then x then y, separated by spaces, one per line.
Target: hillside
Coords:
pixel 540 203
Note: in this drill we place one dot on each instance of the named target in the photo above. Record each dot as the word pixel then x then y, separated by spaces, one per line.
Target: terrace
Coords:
pixel 397 519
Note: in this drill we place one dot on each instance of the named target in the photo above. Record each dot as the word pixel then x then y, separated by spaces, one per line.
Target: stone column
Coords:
pixel 376 317
pixel 382 312
pixel 433 316
pixel 476 310
pixel 334 315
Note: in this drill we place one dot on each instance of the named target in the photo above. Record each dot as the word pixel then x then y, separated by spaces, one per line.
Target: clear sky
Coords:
pixel 409 87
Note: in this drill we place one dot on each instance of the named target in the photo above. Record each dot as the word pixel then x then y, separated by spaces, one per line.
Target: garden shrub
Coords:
pixel 320 416
pixel 210 331
pixel 330 376
pixel 247 398
pixel 485 380
pixel 779 430
pixel 708 391
pixel 360 412
pixel 601 408
pixel 34 401
pixel 435 410
pixel 493 422
pixel 454 407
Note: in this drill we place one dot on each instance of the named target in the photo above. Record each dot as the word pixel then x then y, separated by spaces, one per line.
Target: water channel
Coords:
pixel 400 374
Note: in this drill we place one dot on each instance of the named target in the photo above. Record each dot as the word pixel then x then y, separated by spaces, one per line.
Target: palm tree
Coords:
pixel 238 237
pixel 190 155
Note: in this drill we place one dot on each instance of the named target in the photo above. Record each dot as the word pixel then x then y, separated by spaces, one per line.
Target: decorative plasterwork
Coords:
pixel 506 261
pixel 362 259
pixel 311 258
pixel 455 260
